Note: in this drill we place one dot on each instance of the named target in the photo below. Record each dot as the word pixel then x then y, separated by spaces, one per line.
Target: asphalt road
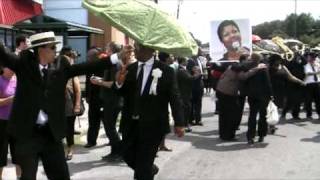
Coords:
pixel 292 153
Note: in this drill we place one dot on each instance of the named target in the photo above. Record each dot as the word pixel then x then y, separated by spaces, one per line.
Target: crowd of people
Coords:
pixel 41 97
pixel 261 79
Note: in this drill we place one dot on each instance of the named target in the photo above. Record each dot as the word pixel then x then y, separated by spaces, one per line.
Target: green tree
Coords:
pixel 280 33
pixel 303 26
pixel 268 30
pixel 298 25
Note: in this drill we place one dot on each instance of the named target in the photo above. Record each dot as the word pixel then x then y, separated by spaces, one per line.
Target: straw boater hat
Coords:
pixel 41 39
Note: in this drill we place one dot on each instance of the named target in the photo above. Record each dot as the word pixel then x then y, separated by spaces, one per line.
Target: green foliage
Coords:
pixel 266 29
pixel 302 27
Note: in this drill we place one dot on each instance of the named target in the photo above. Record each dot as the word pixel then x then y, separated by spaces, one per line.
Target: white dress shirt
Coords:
pixel 200 64
pixel 308 69
pixel 42 116
pixel 146 71
pixel 114 58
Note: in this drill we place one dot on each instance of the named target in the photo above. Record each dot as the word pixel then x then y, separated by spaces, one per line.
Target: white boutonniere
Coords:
pixel 156 74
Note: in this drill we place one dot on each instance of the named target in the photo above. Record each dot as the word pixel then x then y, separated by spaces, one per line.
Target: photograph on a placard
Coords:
pixel 230 39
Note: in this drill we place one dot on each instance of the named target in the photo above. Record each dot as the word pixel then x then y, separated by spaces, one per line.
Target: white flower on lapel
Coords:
pixel 156 74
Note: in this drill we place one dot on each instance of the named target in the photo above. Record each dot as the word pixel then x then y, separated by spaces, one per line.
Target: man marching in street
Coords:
pixel 37 122
pixel 147 86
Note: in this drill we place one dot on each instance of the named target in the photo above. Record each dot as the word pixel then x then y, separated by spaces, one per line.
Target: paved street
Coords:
pixel 292 153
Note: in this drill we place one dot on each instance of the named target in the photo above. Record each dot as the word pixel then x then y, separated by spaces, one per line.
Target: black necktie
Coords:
pixel 43 103
pixel 314 76
pixel 140 78
pixel 44 73
pixel 136 108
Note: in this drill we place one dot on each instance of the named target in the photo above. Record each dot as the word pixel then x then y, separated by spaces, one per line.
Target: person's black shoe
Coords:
pixel 69 156
pixel 164 148
pixel 77 132
pixel 188 129
pixel 199 124
pixel 309 117
pixel 272 131
pixel 192 123
pixel 261 139
pixel 296 117
pixel 250 142
pixel 112 158
pixel 89 145
pixel 155 169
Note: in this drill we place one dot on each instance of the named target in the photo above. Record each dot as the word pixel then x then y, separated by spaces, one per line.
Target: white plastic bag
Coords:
pixel 272 114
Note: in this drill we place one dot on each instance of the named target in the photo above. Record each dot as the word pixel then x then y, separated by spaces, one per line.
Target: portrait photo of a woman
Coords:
pixel 230 40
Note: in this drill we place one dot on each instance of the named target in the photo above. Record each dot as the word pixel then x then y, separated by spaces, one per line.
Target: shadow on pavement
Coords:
pixel 79 149
pixel 215 143
pixel 206 115
pixel 87 165
pixel 206 133
pixel 315 139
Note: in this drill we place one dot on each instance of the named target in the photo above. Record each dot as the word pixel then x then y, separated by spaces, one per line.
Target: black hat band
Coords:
pixel 43 40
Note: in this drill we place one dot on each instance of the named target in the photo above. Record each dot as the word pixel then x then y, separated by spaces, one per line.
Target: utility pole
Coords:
pixel 178 8
pixel 156 1
pixel 295 19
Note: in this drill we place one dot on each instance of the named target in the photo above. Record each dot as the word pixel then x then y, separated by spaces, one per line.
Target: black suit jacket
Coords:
pixel 92 92
pixel 259 85
pixel 32 92
pixel 184 83
pixel 197 85
pixel 154 118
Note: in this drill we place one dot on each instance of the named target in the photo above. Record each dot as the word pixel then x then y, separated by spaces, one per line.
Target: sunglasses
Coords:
pixel 52 47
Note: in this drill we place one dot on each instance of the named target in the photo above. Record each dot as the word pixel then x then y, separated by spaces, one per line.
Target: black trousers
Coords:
pixel 295 97
pixel 42 147
pixel 94 117
pixel 196 106
pixel 6 141
pixel 140 151
pixel 312 95
pixel 229 114
pixel 186 111
pixel 111 110
pixel 70 130
pixel 242 101
pixel 257 106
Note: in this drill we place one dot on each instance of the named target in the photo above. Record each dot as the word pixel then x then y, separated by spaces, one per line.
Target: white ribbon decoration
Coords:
pixel 156 74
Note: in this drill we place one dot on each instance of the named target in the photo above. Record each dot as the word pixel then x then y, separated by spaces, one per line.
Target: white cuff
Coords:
pixel 114 58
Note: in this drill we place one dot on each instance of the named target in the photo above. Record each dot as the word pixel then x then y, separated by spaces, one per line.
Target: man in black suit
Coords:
pixel 111 108
pixel 295 92
pixel 145 110
pixel 37 122
pixel 185 88
pixel 197 88
pixel 95 103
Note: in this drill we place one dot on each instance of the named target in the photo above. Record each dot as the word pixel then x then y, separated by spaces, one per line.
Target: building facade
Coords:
pixel 72 11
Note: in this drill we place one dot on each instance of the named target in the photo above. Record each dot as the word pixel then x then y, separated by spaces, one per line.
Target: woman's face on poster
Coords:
pixel 231 37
